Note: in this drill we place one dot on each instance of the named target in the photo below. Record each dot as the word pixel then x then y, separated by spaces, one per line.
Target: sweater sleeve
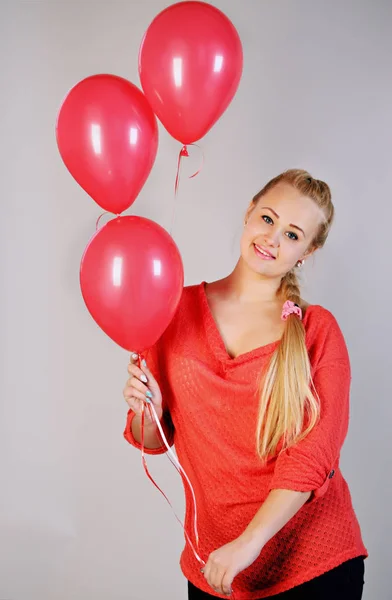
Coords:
pixel 154 363
pixel 310 465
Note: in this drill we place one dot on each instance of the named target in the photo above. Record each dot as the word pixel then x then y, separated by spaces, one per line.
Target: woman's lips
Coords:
pixel 262 253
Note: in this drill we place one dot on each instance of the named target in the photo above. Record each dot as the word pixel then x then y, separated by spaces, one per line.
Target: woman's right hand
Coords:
pixel 140 387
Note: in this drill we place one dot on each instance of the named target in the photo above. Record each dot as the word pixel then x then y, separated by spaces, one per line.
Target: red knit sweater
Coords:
pixel 212 400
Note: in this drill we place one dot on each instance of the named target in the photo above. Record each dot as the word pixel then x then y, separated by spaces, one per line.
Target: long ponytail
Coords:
pixel 289 407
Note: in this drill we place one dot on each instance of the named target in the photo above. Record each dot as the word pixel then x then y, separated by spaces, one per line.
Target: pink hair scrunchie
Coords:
pixel 289 308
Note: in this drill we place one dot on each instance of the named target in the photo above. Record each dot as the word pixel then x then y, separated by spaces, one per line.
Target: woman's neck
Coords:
pixel 247 286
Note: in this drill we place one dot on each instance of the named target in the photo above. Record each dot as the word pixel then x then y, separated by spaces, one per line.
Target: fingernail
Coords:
pixel 148 401
pixel 135 356
pixel 143 378
pixel 148 394
pixel 144 363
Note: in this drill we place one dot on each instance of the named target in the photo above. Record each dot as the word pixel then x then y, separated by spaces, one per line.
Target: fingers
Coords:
pixel 134 358
pixel 130 391
pixel 226 583
pixel 152 382
pixel 138 380
pixel 136 391
pixel 217 578
pixel 134 370
pixel 134 404
pixel 210 575
pixel 143 373
pixel 142 385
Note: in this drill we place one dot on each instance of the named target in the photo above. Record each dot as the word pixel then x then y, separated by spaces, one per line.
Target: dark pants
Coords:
pixel 345 582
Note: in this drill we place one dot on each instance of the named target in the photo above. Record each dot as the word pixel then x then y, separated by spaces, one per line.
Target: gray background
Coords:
pixel 78 517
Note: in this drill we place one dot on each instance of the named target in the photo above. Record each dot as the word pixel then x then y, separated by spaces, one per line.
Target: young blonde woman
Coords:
pixel 251 384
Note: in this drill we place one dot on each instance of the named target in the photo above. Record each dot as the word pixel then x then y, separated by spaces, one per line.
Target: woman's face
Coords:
pixel 279 230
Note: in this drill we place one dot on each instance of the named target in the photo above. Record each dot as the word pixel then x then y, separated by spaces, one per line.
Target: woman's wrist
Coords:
pixel 253 539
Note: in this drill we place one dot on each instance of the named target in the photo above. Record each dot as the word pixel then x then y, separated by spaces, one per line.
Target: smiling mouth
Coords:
pixel 263 253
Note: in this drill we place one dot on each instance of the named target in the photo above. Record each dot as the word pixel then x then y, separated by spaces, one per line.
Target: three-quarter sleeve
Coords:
pixel 310 465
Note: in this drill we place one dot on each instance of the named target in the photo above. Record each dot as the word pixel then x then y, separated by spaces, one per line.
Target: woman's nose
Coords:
pixel 272 238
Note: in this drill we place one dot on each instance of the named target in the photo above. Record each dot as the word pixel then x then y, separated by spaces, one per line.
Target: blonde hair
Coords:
pixel 289 406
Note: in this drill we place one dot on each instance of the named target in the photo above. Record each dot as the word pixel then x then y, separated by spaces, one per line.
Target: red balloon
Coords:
pixel 190 65
pixel 107 136
pixel 131 277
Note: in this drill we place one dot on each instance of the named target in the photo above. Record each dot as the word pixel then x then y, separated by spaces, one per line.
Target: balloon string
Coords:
pixel 173 459
pixel 202 161
pixel 99 218
pixel 183 153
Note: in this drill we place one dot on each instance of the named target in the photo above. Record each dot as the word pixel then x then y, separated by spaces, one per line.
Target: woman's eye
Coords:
pixel 268 219
pixel 292 236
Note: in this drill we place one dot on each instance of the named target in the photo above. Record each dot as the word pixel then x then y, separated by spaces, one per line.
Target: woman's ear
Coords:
pixel 309 253
pixel 249 211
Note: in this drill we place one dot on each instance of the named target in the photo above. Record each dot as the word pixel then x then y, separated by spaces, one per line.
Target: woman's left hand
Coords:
pixel 229 560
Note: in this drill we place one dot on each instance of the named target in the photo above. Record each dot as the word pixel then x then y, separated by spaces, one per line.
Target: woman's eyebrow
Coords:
pixel 277 216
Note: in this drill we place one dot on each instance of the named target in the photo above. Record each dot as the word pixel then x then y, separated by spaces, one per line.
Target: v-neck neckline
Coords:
pixel 216 341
